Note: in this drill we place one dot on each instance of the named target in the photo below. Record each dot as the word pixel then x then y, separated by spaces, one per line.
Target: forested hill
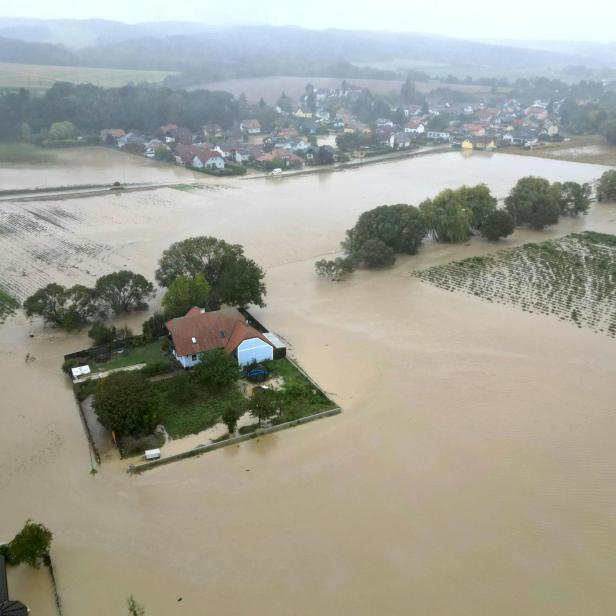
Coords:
pixel 258 50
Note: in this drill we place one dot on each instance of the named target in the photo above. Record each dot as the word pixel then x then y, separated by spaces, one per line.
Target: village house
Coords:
pixel 415 127
pixel 131 139
pixel 199 331
pixel 288 158
pixel 438 135
pixel 400 141
pixel 208 159
pixel 302 112
pixel 250 127
pixel 110 136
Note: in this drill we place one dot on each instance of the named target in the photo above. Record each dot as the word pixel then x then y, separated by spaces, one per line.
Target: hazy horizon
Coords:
pixel 530 21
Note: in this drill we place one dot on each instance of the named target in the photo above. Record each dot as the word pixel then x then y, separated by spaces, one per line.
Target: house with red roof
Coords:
pixel 199 331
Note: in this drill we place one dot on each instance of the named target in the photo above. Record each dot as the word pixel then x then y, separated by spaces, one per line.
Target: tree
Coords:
pixel 31 545
pixel 230 417
pixel 534 201
pixel 263 404
pixel 606 189
pixel 154 327
pixel 374 254
pixel 325 155
pixel 66 308
pixel 408 92
pixel 497 224
pixel 217 371
pixel 400 227
pixel 479 201
pixel 574 198
pixel 164 154
pixel 101 334
pixel 233 278
pixel 124 291
pixel 124 403
pixel 60 131
pixel 447 217
pixel 184 293
pixel 609 130
pixel 334 269
pixel 285 103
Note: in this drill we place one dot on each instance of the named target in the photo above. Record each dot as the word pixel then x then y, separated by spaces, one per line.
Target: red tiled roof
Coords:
pixel 219 329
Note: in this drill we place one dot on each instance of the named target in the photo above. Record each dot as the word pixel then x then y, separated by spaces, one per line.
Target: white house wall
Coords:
pixel 254 350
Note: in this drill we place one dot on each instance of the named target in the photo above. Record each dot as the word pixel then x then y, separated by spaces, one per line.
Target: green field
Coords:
pixel 24 153
pixel 41 77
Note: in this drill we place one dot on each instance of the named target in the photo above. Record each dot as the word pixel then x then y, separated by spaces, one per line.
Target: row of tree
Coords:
pixel 453 216
pixel 89 108
pixel 199 271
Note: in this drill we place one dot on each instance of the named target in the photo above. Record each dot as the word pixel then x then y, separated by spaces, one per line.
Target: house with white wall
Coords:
pixel 199 331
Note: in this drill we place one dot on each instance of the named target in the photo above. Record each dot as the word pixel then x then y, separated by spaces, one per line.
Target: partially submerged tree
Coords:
pixel 334 269
pixel 479 201
pixel 217 371
pixel 374 254
pixel 154 327
pixel 230 417
pixel 606 189
pixel 447 217
pixel 184 293
pixel 102 334
pixel 497 224
pixel 30 545
pixel 66 308
pixel 124 291
pixel 233 278
pixel 574 198
pixel 134 608
pixel 534 201
pixel 124 403
pixel 399 226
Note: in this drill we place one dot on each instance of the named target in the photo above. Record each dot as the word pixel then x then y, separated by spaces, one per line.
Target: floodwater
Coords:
pixel 91 165
pixel 472 471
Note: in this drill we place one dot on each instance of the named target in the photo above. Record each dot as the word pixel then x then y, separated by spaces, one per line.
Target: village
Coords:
pixel 303 133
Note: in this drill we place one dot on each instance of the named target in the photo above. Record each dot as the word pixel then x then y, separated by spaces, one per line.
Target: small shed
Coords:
pixel 280 348
pixel 80 371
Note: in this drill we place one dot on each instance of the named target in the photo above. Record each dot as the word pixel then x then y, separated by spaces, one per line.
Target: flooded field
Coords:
pixel 91 165
pixel 472 471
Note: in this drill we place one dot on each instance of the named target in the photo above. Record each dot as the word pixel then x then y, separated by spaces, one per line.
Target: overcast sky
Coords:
pixel 522 19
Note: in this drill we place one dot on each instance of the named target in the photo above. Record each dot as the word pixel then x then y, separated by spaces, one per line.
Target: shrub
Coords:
pixel 217 370
pixel 124 403
pixel 497 224
pixel 606 189
pixel 154 327
pixel 101 334
pixel 155 367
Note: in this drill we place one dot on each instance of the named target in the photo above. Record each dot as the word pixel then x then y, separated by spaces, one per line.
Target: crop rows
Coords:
pixel 573 278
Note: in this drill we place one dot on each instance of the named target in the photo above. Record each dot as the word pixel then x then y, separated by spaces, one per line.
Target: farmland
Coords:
pixel 573 278
pixel 42 77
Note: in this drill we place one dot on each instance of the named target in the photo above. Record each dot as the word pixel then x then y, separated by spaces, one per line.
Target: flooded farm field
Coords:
pixel 91 165
pixel 472 471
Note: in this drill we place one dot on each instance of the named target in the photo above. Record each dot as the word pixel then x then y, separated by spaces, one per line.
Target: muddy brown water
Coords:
pixel 472 471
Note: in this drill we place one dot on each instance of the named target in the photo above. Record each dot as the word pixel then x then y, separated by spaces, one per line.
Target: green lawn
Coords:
pixel 146 354
pixel 187 408
pixel 299 397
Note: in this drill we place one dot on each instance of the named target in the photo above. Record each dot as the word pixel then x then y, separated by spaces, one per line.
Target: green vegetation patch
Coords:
pixel 186 407
pixel 298 397
pixel 8 305
pixel 573 278
pixel 151 353
pixel 24 153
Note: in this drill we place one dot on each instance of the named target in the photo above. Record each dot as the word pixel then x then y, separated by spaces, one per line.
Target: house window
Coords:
pixel 193 357
pixel 194 340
